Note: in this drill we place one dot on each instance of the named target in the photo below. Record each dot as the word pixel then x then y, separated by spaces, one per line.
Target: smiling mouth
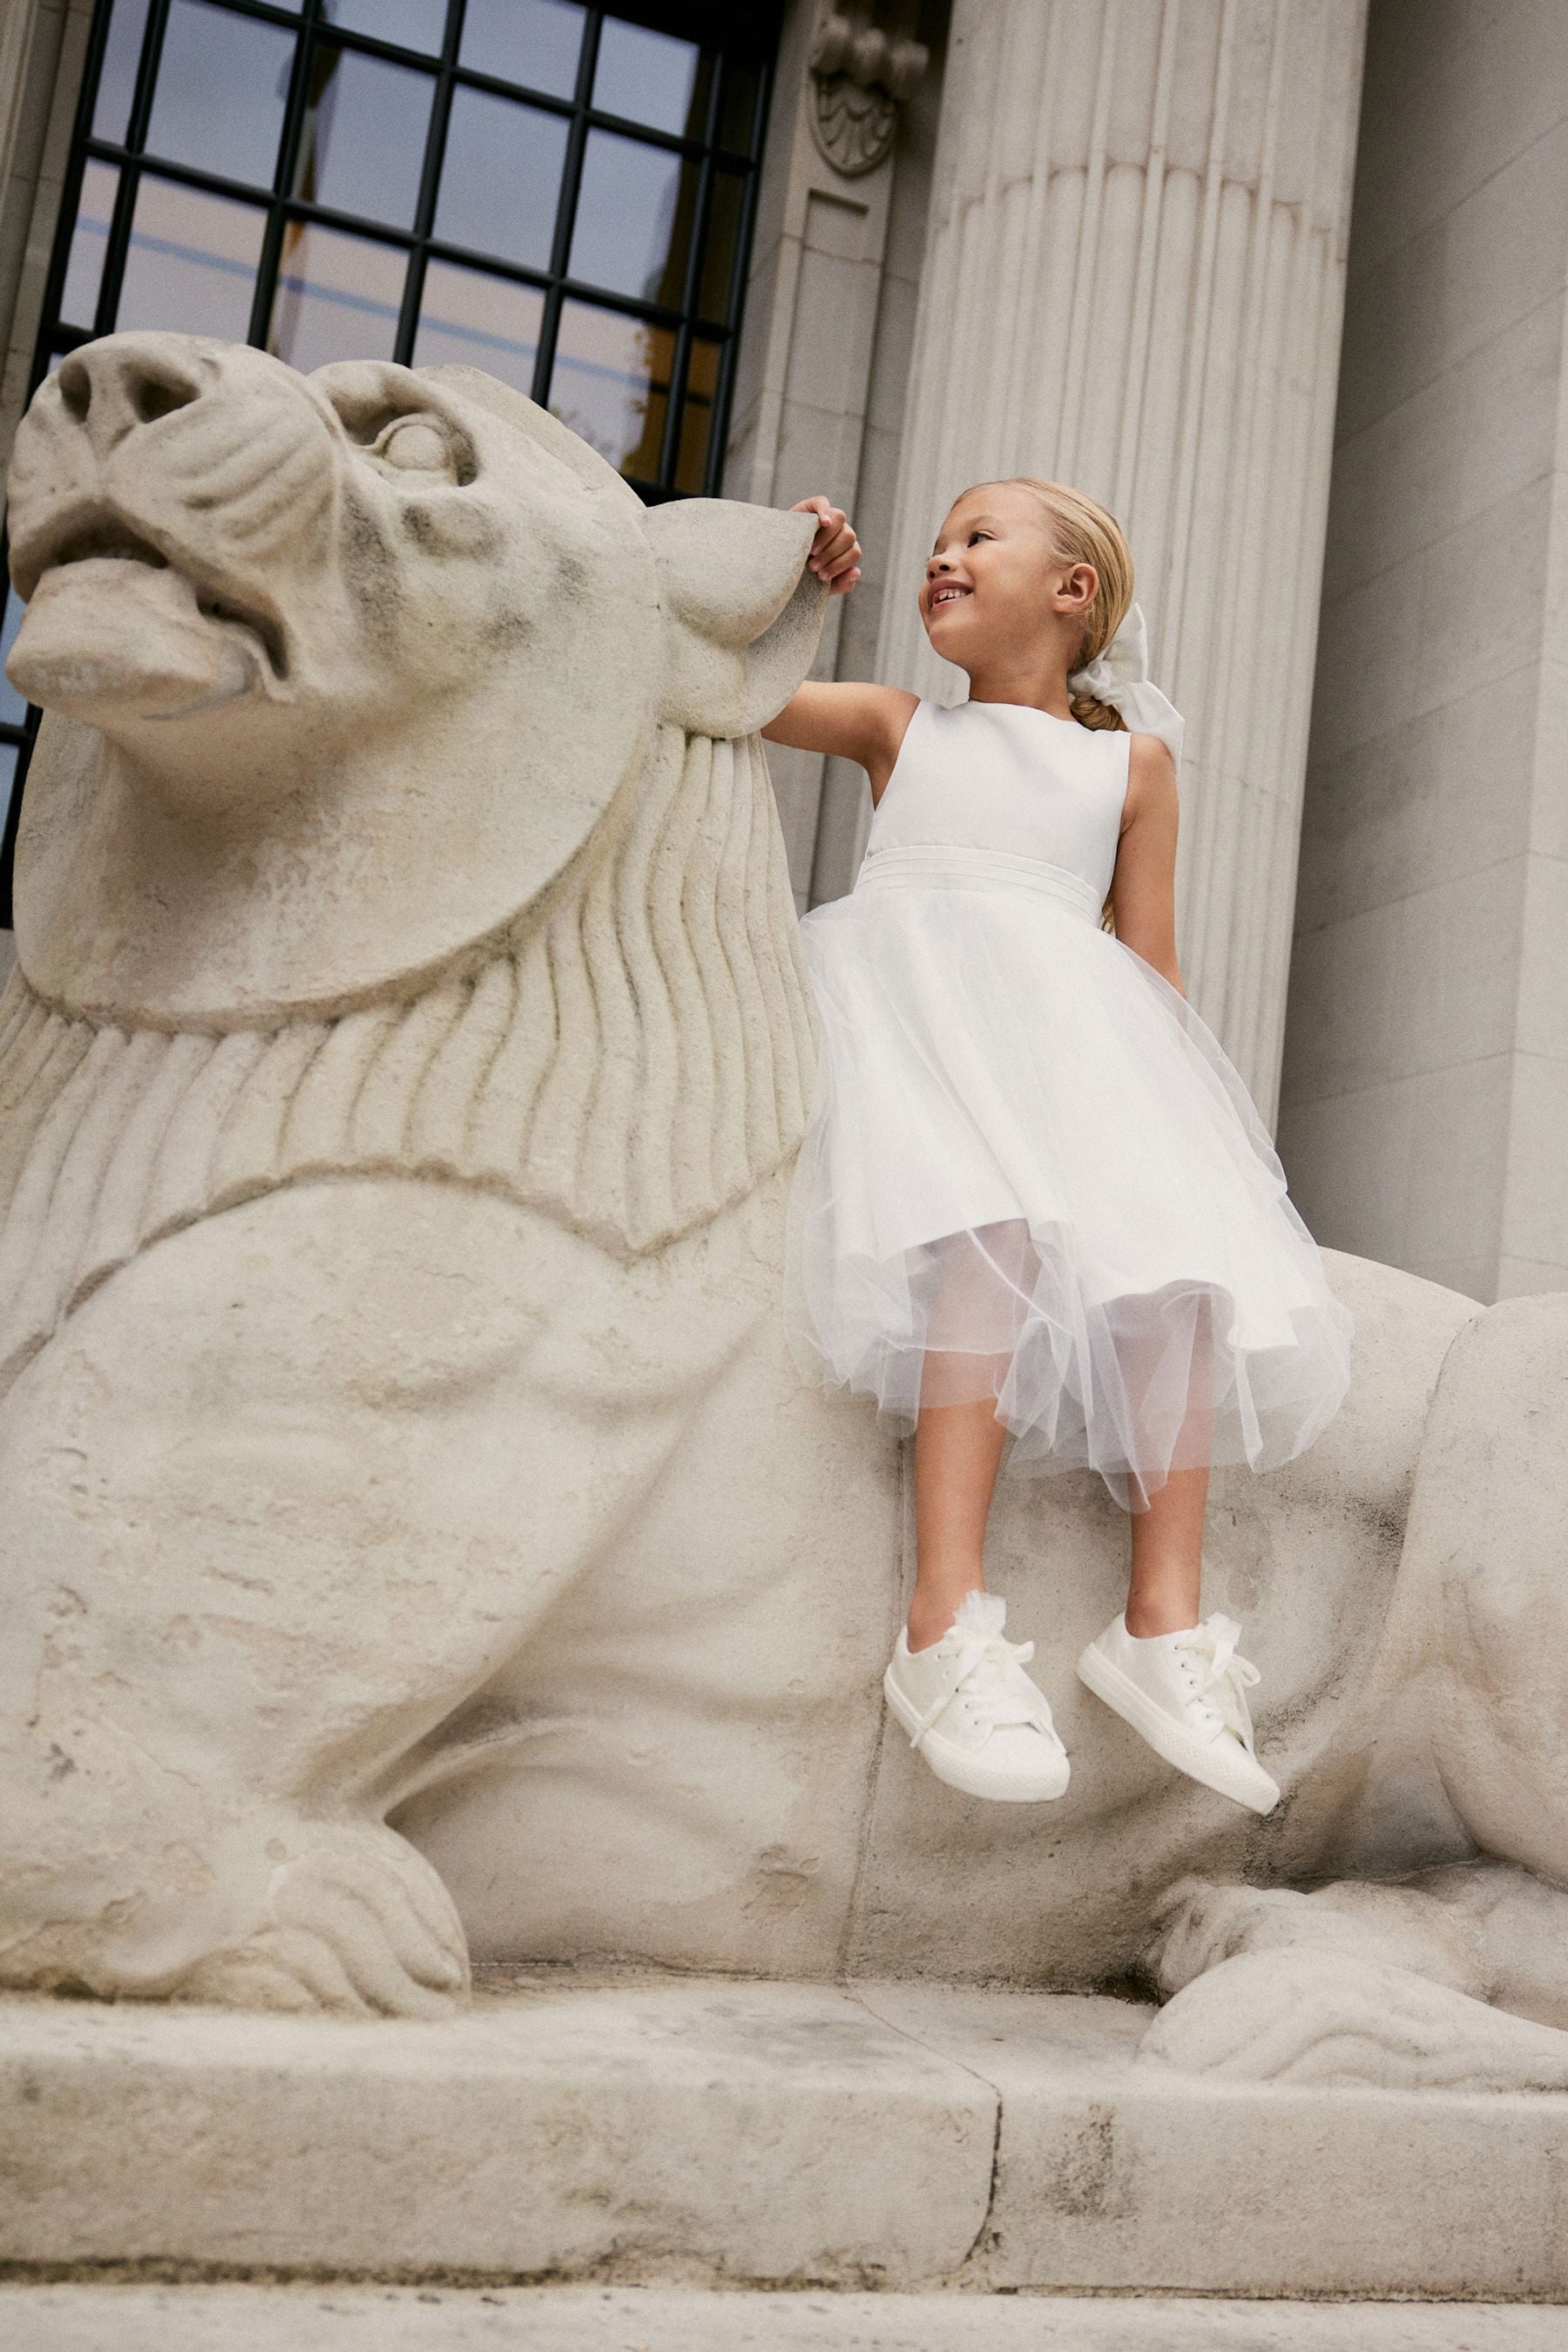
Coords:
pixel 948 593
pixel 102 539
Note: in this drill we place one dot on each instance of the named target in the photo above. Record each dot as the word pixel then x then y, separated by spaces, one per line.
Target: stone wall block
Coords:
pixel 43 56
pixel 1440 726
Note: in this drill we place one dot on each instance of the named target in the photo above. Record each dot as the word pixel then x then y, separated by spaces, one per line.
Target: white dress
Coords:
pixel 1030 1173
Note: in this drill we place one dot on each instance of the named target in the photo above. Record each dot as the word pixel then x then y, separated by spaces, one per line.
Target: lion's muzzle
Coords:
pixel 159 486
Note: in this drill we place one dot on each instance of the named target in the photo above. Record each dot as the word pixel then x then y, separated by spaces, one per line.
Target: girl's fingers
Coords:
pixel 835 550
pixel 844 582
pixel 829 516
pixel 843 556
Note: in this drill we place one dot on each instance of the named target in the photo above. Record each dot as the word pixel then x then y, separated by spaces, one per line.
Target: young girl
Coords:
pixel 1034 1196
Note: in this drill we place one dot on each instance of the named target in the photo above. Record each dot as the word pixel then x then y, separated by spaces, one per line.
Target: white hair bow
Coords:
pixel 1119 676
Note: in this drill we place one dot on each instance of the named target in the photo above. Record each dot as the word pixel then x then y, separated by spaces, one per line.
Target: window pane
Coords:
pixel 84 270
pixel 718 254
pixel 192 263
pixel 697 416
pixel 611 384
pixel 363 145
pixel 652 77
pixel 117 82
pixel 472 319
pixel 7 785
pixel 232 73
pixel 738 109
pixel 537 42
pixel 221 87
pixel 13 709
pixel 338 297
pixel 411 24
pixel 501 181
pixel 633 218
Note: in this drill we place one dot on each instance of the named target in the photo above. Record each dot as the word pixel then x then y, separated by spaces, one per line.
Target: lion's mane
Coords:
pixel 629 1061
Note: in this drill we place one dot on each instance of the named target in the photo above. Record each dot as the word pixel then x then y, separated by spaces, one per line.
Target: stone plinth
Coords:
pixel 229 2316
pixel 730 2132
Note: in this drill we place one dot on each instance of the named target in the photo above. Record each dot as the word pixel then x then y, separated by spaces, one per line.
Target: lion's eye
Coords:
pixel 415 446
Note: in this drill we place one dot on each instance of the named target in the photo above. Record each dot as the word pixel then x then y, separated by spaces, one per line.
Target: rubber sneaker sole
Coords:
pixel 962 1769
pixel 1237 1776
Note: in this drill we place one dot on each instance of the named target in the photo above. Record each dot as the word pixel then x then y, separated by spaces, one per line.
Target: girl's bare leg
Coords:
pixel 957 1450
pixel 1164 1590
pixel 958 1445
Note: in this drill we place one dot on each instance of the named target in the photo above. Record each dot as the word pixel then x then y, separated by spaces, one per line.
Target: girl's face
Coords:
pixel 995 586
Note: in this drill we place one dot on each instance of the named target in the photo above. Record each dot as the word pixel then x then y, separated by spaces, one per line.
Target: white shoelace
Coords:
pixel 1222 1677
pixel 981 1674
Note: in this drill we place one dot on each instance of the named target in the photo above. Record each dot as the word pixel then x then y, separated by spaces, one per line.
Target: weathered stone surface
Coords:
pixel 230 2318
pixel 1115 2173
pixel 714 2132
pixel 749 2131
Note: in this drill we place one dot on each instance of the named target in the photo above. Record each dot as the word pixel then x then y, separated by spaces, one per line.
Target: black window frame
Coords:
pixel 737 32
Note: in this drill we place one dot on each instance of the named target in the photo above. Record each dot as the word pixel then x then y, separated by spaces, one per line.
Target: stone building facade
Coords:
pixel 1282 281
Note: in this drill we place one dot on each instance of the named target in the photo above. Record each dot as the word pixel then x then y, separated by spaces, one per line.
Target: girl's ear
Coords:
pixel 742 613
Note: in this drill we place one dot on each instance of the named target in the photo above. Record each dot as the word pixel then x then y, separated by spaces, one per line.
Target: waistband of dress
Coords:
pixel 955 866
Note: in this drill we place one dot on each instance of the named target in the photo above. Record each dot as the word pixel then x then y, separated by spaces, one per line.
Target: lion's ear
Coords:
pixel 742 614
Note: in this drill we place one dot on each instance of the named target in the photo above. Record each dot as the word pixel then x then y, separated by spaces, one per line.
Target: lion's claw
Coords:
pixel 357 1922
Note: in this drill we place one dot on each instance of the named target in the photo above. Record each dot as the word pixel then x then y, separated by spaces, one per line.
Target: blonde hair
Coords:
pixel 1083 531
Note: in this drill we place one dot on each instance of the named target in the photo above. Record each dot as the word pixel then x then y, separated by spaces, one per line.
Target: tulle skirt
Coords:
pixel 1031 1174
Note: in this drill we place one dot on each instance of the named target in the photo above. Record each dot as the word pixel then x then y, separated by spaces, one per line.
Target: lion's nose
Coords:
pixel 122 382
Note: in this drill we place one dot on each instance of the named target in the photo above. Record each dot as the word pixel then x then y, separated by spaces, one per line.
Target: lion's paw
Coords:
pixel 356 1921
pixel 1202 1922
pixel 1313 2016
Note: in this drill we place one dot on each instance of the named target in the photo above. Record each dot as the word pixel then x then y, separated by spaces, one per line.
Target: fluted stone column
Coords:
pixel 43 56
pixel 1135 283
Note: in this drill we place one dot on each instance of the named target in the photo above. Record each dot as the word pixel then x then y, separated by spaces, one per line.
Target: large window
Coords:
pixel 561 194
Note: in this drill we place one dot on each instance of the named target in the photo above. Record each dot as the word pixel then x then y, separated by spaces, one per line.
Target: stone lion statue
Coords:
pixel 416 1542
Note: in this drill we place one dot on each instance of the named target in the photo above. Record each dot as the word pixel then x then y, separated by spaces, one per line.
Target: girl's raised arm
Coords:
pixel 863 723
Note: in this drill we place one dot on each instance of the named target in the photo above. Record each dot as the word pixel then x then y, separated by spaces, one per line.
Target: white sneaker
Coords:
pixel 1186 1694
pixel 973 1712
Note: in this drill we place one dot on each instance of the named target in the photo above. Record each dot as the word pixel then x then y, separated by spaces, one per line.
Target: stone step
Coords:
pixel 716 2132
pixel 295 2318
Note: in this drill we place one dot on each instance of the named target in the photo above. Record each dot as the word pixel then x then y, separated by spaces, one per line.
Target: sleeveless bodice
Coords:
pixel 1004 777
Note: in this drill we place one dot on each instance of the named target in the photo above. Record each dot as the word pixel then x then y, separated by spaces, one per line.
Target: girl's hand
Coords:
pixel 835 551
